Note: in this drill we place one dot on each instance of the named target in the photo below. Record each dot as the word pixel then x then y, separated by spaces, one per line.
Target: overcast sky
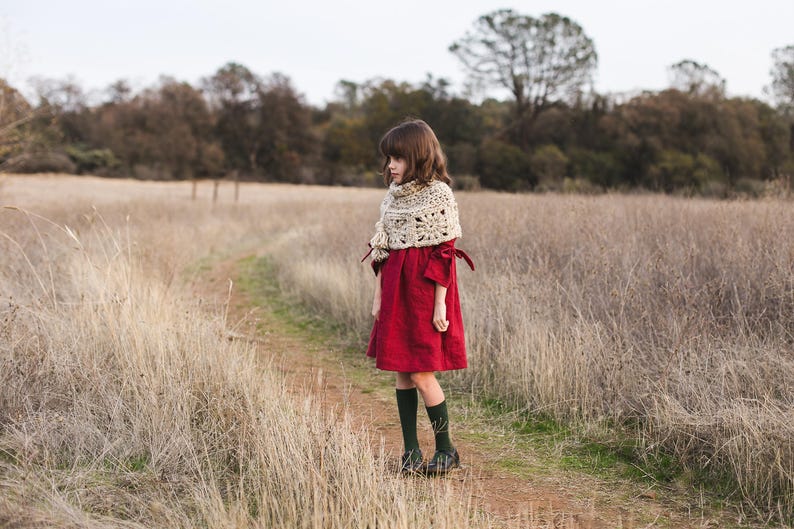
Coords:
pixel 318 43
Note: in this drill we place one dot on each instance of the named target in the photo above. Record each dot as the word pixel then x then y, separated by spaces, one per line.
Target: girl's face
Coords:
pixel 397 167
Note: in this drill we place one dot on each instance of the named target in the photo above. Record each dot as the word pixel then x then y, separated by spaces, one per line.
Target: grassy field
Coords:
pixel 667 320
pixel 123 403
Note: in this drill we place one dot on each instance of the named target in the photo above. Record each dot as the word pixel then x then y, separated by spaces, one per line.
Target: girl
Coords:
pixel 418 327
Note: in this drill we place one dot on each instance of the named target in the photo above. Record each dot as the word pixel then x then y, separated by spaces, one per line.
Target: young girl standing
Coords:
pixel 418 327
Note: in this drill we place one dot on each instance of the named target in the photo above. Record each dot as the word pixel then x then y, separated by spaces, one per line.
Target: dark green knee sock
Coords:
pixel 407 402
pixel 440 422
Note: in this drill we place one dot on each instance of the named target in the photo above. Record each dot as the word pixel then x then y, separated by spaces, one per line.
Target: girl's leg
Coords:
pixel 446 457
pixel 407 402
pixel 428 386
pixel 404 381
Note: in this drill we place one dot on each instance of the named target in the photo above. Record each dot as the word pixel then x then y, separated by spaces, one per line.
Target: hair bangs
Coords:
pixel 395 143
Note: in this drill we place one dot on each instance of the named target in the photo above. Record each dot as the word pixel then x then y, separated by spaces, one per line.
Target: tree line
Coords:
pixel 550 132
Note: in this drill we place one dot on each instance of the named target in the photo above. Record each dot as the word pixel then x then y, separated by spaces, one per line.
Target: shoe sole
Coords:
pixel 442 472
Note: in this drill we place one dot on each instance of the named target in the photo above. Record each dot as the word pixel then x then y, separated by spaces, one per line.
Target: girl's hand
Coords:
pixel 440 321
pixel 376 298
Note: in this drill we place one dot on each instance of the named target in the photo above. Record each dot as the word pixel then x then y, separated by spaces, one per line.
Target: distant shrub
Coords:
pixel 549 163
pixel 580 186
pixel 714 189
pixel 91 160
pixel 462 158
pixel 40 162
pixel 599 167
pixel 466 182
pixel 148 172
pixel 504 166
pixel 676 170
pixel 748 187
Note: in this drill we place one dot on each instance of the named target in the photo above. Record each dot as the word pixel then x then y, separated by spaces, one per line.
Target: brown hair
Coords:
pixel 414 141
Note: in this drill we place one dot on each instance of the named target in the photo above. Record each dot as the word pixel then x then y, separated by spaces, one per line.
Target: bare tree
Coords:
pixel 14 109
pixel 782 87
pixel 60 95
pixel 119 92
pixel 15 112
pixel 539 60
pixel 694 78
pixel 782 91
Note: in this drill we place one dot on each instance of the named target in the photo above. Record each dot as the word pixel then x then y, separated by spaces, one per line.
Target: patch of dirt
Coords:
pixel 555 499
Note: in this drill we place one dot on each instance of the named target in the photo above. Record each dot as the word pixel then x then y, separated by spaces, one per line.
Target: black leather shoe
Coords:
pixel 443 461
pixel 412 462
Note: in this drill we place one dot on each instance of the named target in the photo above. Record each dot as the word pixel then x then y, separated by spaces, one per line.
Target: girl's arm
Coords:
pixel 376 300
pixel 440 321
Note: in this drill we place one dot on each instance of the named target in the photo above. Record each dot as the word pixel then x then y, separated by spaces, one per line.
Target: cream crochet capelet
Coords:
pixel 415 215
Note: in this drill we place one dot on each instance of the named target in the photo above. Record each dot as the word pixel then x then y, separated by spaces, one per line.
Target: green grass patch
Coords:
pixel 256 279
pixel 8 455
pixel 613 453
pixel 136 463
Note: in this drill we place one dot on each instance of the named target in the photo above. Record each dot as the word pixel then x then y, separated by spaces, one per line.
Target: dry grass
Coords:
pixel 674 316
pixel 122 403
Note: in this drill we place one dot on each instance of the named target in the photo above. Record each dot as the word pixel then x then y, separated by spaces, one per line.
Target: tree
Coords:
pixel 62 102
pixel 14 113
pixel 541 61
pixel 233 92
pixel 782 88
pixel 119 91
pixel 676 170
pixel 232 84
pixel 180 124
pixel 549 163
pixel 348 92
pixel 282 125
pixel 164 132
pixel 504 166
pixel 694 78
pixel 64 95
pixel 363 112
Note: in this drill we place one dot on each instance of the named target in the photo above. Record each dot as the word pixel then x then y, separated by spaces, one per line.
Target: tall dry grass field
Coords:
pixel 122 403
pixel 674 317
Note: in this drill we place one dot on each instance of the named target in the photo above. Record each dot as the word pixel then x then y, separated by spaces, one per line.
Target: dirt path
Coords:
pixel 549 499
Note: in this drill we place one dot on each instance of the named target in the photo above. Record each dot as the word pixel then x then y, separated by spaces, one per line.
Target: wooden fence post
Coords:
pixel 236 176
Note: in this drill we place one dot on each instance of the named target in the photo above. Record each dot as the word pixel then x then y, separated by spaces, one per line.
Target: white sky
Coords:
pixel 317 43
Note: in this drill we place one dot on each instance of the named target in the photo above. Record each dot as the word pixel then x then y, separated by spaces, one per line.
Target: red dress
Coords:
pixel 403 337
